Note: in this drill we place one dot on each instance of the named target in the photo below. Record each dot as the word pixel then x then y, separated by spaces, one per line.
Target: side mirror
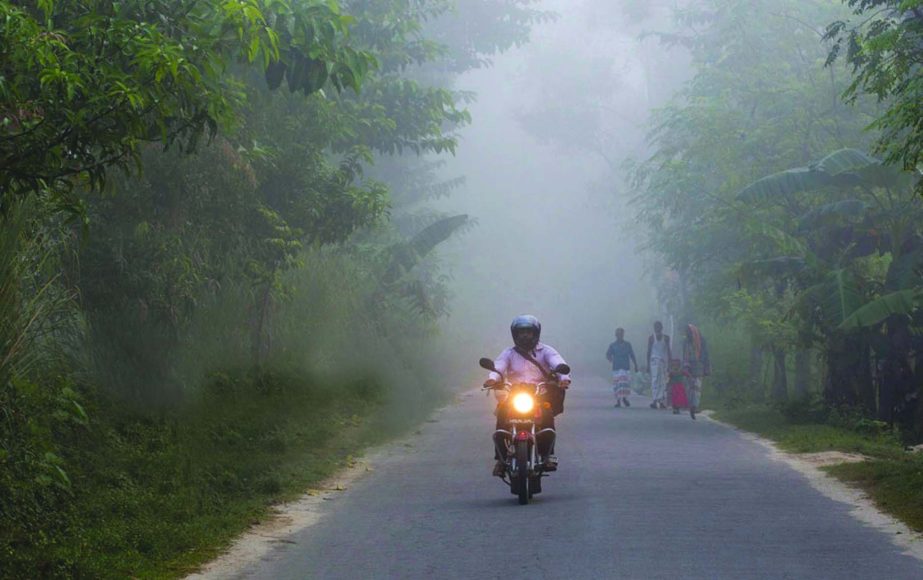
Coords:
pixel 562 369
pixel 488 364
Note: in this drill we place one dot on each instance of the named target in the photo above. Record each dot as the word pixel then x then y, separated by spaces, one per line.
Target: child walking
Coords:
pixel 677 386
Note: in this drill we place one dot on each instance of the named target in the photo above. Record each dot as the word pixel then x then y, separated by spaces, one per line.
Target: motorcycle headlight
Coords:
pixel 523 402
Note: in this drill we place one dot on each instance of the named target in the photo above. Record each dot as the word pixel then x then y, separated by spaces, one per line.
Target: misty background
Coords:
pixel 555 119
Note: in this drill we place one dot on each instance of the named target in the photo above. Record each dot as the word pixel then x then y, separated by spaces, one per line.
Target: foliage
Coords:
pixel 760 197
pixel 84 84
pixel 152 496
pixel 893 484
pixel 802 435
pixel 160 294
pixel 883 47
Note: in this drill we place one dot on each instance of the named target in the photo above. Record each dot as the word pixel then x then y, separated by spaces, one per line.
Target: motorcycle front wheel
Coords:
pixel 522 471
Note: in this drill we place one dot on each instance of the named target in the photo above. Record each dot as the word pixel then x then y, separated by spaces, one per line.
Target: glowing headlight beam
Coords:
pixel 523 402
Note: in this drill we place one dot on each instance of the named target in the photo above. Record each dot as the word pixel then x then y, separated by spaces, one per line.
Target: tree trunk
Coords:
pixel 849 377
pixel 896 402
pixel 258 322
pixel 779 376
pixel 755 371
pixel 802 373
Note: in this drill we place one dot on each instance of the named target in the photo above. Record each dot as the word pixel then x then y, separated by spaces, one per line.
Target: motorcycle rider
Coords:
pixel 515 366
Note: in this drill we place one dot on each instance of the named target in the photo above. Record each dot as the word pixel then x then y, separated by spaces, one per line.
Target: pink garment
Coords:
pixel 678 391
pixel 517 369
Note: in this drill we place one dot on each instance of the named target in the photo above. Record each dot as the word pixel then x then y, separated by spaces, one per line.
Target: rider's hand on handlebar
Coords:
pixel 490 384
pixel 564 383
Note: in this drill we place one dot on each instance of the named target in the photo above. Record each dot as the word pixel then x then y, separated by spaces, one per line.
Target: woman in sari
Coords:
pixel 696 364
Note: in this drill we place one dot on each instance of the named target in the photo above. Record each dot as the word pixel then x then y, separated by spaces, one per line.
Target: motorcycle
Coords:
pixel 524 406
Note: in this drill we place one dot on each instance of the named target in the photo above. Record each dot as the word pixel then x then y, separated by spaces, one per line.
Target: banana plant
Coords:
pixel 862 214
pixel 404 256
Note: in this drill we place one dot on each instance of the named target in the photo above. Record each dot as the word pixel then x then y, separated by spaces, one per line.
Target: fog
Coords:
pixel 553 121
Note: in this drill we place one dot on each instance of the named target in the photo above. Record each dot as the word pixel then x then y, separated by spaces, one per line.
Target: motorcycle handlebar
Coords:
pixel 499 386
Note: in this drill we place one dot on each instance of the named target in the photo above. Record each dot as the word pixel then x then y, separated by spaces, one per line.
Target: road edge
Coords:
pixel 289 518
pixel 861 506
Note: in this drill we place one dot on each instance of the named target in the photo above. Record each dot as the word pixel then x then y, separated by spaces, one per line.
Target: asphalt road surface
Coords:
pixel 639 494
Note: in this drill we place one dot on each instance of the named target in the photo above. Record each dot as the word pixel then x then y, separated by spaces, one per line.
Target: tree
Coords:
pixel 760 101
pixel 84 84
pixel 885 51
pixel 859 268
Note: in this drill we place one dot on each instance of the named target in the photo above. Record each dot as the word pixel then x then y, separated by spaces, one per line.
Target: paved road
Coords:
pixel 640 494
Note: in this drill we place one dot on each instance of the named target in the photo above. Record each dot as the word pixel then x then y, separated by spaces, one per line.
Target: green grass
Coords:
pixel 155 495
pixel 892 477
pixel 896 486
pixel 809 437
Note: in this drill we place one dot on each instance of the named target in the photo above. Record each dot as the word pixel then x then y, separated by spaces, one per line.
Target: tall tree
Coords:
pixel 884 47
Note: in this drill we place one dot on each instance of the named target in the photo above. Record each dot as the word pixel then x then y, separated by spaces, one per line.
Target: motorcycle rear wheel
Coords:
pixel 522 471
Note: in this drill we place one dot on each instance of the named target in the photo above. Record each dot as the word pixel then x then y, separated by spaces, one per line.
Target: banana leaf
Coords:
pixel 900 302
pixel 407 255
pixel 834 299
pixel 785 184
pixel 845 161
pixel 904 272
pixel 830 212
pixel 843 168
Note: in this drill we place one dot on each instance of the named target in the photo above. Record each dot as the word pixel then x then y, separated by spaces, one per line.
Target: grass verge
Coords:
pixel 807 437
pixel 892 477
pixel 154 495
pixel 896 485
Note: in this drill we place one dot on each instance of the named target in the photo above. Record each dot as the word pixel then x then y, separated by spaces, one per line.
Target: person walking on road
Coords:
pixel 696 364
pixel 677 386
pixel 658 359
pixel 620 354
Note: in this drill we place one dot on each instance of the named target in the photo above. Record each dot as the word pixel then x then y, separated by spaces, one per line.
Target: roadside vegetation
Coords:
pixel 782 203
pixel 218 276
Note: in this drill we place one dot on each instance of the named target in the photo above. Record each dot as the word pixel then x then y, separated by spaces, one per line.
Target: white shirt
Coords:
pixel 517 369
pixel 659 347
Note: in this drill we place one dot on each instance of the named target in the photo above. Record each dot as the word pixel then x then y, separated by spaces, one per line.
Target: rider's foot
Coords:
pixel 551 463
pixel 627 404
pixel 499 468
pixel 692 413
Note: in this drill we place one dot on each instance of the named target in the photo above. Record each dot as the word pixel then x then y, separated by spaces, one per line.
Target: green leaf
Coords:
pixel 784 184
pixel 847 209
pixel 845 160
pixel 835 298
pixel 407 255
pixel 778 267
pixel 902 302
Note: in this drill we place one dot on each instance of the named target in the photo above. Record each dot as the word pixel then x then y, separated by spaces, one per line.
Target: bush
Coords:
pixel 135 493
pixel 808 410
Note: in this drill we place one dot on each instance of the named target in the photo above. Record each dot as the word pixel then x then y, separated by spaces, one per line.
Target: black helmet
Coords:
pixel 526 322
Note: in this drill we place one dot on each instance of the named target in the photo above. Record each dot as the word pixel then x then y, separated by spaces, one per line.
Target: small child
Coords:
pixel 677 387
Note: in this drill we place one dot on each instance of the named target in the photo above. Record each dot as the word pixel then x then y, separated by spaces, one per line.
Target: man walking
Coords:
pixel 620 354
pixel 658 360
